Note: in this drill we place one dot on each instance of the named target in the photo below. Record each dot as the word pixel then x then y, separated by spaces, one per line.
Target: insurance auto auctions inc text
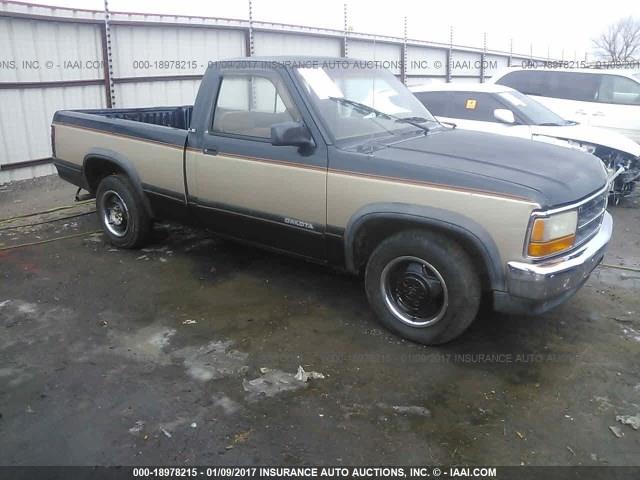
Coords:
pixel 370 472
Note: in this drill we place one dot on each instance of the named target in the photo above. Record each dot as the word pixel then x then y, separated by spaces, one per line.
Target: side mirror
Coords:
pixel 291 133
pixel 503 115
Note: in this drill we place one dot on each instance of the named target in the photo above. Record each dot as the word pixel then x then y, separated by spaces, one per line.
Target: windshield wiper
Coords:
pixel 414 121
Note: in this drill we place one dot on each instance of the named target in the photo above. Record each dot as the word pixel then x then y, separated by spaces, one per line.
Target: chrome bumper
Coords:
pixel 559 277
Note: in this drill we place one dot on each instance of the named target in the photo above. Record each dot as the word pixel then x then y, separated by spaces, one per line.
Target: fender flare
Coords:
pixel 427 216
pixel 124 164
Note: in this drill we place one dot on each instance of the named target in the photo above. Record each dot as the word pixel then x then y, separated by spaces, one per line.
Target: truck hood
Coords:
pixel 546 174
pixel 593 135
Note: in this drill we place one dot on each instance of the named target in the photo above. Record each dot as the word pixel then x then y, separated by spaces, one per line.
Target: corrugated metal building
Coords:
pixel 55 58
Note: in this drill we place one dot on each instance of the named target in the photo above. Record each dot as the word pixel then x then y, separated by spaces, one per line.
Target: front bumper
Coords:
pixel 537 287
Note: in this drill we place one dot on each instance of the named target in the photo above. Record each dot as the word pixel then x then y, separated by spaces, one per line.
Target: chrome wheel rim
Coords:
pixel 414 291
pixel 115 214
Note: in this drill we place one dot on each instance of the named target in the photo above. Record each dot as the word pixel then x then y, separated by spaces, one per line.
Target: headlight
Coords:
pixel 552 234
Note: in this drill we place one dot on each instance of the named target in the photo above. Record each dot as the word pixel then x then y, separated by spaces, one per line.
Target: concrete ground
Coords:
pixel 186 353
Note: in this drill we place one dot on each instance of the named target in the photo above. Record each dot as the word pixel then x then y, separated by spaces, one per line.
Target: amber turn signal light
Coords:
pixel 543 249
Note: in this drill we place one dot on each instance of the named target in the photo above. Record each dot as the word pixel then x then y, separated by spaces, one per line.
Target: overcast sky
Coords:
pixel 548 25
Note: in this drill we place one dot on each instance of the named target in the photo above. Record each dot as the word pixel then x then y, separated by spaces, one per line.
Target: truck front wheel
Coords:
pixel 423 286
pixel 122 215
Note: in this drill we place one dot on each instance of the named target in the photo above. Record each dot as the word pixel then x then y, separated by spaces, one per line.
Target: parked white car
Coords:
pixel 600 98
pixel 503 110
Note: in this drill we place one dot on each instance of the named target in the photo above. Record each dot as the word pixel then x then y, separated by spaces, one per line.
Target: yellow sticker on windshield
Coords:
pixel 471 104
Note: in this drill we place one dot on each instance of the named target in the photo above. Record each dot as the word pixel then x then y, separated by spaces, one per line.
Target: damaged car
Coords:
pixel 503 110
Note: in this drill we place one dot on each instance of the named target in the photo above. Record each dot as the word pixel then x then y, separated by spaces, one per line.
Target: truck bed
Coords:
pixel 176 117
pixel 146 140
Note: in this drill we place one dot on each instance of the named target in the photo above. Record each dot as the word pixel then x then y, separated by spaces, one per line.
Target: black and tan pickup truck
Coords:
pixel 335 161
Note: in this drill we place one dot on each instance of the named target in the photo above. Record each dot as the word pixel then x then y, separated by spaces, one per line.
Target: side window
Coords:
pixel 529 82
pixel 567 85
pixel 473 106
pixel 570 86
pixel 619 90
pixel 249 104
pixel 436 102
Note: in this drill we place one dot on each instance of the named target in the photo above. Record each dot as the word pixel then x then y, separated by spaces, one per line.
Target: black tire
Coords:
pixel 402 265
pixel 116 195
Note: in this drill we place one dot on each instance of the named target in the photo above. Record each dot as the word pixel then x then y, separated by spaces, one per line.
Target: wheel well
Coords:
pixel 373 232
pixel 96 168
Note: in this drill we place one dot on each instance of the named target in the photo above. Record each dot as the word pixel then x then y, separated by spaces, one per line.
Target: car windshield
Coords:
pixel 534 111
pixel 360 102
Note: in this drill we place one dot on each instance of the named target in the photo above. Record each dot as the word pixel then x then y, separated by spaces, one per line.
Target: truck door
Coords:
pixel 243 186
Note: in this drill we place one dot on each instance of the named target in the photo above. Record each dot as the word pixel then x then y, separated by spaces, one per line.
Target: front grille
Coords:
pixel 590 215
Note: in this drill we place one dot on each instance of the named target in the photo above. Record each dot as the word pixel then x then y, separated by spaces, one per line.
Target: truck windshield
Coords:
pixel 359 102
pixel 529 108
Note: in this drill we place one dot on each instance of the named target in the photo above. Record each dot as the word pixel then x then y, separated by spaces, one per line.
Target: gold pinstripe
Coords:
pixel 304 192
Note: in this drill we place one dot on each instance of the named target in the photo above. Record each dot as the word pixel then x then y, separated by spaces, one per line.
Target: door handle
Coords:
pixel 581 112
pixel 598 114
pixel 210 151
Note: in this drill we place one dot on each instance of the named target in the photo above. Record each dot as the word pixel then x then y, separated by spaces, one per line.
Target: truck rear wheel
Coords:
pixel 423 286
pixel 122 215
